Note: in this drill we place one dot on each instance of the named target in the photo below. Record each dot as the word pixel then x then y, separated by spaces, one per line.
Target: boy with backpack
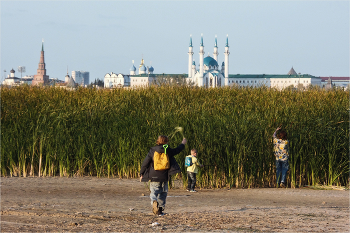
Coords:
pixel 157 167
pixel 192 165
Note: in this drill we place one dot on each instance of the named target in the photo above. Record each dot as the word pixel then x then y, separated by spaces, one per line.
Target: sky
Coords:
pixel 265 37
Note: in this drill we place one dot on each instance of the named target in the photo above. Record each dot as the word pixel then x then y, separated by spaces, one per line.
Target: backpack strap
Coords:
pixel 165 147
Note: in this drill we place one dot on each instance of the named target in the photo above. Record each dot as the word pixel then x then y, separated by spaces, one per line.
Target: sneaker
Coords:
pixel 282 185
pixel 155 207
pixel 160 211
pixel 193 191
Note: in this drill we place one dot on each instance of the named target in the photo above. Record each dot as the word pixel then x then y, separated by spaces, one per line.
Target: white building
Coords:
pixel 113 80
pixel 143 78
pixel 82 78
pixel 208 73
pixel 27 79
pixel 11 80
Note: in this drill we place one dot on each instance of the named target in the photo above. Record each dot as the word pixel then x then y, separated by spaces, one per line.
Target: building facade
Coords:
pixel 11 79
pixel 209 74
pixel 136 78
pixel 82 78
pixel 338 82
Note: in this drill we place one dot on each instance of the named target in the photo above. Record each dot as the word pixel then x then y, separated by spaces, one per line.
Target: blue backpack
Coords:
pixel 188 161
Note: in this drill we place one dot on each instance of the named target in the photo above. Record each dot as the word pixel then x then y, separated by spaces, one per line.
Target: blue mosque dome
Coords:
pixel 133 68
pixel 209 61
pixel 151 69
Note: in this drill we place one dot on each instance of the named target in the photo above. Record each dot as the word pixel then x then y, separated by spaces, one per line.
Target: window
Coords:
pixel 243 81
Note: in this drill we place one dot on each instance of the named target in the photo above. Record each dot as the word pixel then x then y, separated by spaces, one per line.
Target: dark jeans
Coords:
pixel 191 180
pixel 281 169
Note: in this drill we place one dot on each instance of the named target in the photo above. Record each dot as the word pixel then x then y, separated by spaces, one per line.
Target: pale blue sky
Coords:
pixel 265 37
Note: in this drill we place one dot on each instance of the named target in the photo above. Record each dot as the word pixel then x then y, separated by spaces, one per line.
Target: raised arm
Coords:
pixel 178 149
pixel 274 134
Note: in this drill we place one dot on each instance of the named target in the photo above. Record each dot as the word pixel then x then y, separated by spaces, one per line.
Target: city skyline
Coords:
pixel 265 37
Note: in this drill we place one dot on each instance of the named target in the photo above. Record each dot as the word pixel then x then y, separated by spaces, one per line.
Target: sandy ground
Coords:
pixel 92 204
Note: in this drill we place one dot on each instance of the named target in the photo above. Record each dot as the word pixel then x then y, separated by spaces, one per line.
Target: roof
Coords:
pixel 209 61
pixel 70 83
pixel 292 72
pixel 323 79
pixel 133 68
pixel 270 76
pixel 143 68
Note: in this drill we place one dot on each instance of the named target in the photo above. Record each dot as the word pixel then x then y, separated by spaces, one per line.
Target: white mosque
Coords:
pixel 208 74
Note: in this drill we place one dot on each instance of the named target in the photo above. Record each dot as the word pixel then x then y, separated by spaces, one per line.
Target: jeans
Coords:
pixel 159 192
pixel 191 180
pixel 281 169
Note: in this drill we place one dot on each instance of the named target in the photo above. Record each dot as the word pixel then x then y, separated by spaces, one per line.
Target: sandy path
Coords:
pixel 91 204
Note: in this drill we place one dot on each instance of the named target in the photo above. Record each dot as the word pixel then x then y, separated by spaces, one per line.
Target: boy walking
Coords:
pixel 159 177
pixel 192 171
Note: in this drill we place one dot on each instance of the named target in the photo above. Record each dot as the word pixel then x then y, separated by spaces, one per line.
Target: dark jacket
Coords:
pixel 147 168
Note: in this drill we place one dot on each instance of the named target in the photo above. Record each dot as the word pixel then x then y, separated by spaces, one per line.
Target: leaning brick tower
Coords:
pixel 41 78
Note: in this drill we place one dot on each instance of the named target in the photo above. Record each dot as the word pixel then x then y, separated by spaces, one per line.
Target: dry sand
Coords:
pixel 91 204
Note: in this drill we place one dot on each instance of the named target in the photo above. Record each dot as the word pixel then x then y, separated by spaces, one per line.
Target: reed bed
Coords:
pixel 107 133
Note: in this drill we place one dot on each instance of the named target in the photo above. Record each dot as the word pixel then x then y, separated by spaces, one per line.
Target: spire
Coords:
pixel 202 39
pixel 190 41
pixel 216 42
pixel 42 45
pixel 226 41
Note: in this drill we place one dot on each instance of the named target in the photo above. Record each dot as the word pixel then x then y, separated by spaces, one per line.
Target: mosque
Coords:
pixel 209 74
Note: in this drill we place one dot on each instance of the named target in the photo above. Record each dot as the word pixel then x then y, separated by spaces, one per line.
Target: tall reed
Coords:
pixel 107 133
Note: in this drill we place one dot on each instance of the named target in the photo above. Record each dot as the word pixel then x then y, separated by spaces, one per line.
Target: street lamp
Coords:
pixel 21 69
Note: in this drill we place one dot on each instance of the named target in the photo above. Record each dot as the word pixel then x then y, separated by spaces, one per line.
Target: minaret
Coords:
pixel 226 60
pixel 193 69
pixel 41 77
pixel 190 58
pixel 215 54
pixel 201 65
